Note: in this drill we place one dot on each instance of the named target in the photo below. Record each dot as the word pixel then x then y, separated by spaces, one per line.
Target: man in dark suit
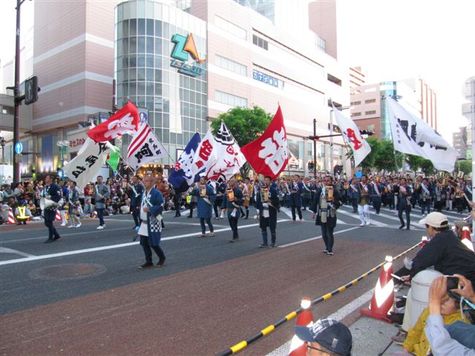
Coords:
pixel 136 190
pixel 51 191
pixel 325 204
pixel 404 193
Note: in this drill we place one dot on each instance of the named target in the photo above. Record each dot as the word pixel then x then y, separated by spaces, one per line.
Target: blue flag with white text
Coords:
pixel 183 175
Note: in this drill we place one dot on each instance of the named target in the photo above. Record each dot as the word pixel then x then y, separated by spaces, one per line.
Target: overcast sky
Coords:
pixel 398 39
pixel 391 40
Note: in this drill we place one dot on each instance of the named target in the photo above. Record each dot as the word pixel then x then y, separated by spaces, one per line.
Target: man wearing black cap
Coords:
pixel 326 337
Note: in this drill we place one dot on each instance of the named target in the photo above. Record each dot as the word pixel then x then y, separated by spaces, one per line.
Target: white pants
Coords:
pixel 364 213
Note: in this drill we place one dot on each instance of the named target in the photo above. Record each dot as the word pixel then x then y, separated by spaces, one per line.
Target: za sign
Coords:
pixel 184 47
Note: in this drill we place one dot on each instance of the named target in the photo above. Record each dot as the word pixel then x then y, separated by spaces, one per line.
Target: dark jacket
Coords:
pixel 447 254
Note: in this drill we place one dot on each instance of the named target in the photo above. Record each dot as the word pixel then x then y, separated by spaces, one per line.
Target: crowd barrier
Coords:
pixel 269 329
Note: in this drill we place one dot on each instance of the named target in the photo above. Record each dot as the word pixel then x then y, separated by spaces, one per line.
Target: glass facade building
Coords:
pixel 147 35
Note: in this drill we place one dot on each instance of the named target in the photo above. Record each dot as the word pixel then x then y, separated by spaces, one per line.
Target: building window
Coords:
pixel 370 128
pixel 231 65
pixel 356 102
pixel 369 101
pixel 370 112
pixel 229 99
pixel 321 44
pixel 260 42
pixel 333 79
pixel 356 114
pixel 231 28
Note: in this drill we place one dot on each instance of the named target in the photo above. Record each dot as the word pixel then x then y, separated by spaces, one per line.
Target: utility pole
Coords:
pixel 16 94
pixel 315 149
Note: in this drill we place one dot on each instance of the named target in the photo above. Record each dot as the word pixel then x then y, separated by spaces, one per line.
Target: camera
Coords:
pixel 452 282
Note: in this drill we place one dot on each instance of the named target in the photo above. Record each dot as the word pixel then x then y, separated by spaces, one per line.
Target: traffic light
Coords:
pixel 31 90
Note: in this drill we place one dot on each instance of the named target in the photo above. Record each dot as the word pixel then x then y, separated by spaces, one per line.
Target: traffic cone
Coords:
pixel 58 216
pixel 304 318
pixel 11 217
pixel 466 238
pixel 383 295
pixel 424 241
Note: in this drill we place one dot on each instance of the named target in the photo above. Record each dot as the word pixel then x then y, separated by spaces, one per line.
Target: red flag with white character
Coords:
pixel 269 154
pixel 124 121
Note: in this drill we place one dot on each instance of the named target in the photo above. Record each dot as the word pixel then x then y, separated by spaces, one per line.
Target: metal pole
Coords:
pixel 16 94
pixel 331 142
pixel 314 149
pixel 473 154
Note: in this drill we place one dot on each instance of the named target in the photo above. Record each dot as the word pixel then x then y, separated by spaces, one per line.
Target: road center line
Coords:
pixel 316 237
pixel 111 247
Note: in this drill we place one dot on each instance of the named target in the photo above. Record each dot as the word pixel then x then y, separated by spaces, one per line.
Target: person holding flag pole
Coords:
pixel 206 195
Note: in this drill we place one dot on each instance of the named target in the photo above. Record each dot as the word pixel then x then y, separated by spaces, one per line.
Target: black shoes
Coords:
pixel 263 246
pixel 53 239
pixel 161 263
pixel 146 265
pixel 401 227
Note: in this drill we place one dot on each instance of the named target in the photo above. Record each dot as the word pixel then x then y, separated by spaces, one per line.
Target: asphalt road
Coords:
pixel 84 294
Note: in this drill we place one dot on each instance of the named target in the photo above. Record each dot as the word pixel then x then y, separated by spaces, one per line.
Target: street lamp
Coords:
pixel 2 144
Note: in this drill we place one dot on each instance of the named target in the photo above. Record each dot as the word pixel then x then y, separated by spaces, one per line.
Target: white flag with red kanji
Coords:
pixel 269 154
pixel 144 148
pixel 352 136
pixel 218 158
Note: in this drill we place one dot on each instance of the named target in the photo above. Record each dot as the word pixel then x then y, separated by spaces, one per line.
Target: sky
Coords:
pixel 399 39
pixel 390 39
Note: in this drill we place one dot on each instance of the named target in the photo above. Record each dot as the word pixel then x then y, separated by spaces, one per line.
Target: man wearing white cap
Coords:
pixel 444 251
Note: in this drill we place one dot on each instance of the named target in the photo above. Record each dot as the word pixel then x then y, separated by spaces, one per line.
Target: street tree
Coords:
pixel 245 124
pixel 464 166
pixel 419 163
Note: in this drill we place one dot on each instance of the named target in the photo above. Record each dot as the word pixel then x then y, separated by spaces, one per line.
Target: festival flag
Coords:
pixel 269 154
pixel 144 148
pixel 114 158
pixel 86 165
pixel 218 158
pixel 182 176
pixel 413 136
pixel 352 136
pixel 124 121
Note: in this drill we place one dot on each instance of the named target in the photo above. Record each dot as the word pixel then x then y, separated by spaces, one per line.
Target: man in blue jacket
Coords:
pixel 267 203
pixel 150 230
pixel 51 192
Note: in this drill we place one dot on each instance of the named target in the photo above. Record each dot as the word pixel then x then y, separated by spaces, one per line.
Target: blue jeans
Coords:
pixel 100 215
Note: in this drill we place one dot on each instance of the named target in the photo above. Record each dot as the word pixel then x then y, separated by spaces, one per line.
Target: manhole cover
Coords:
pixel 68 271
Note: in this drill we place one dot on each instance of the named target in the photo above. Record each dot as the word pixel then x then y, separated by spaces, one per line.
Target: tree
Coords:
pixel 382 156
pixel 417 162
pixel 464 165
pixel 245 124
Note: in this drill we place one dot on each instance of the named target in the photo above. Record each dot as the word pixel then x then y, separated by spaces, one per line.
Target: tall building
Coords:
pixel 245 56
pixel 370 112
pixel 74 61
pixel 185 61
pixel 468 110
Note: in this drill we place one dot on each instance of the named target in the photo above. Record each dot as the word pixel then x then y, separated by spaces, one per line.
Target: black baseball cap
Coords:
pixel 329 333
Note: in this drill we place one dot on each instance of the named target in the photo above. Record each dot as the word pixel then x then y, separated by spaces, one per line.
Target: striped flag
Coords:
pixel 144 148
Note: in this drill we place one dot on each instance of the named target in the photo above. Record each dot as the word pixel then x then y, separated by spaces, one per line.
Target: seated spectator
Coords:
pixel 416 341
pixel 326 337
pixel 440 340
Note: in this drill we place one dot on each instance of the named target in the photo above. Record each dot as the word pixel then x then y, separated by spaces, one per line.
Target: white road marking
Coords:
pixel 110 247
pixel 16 252
pixel 316 238
pixel 373 221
